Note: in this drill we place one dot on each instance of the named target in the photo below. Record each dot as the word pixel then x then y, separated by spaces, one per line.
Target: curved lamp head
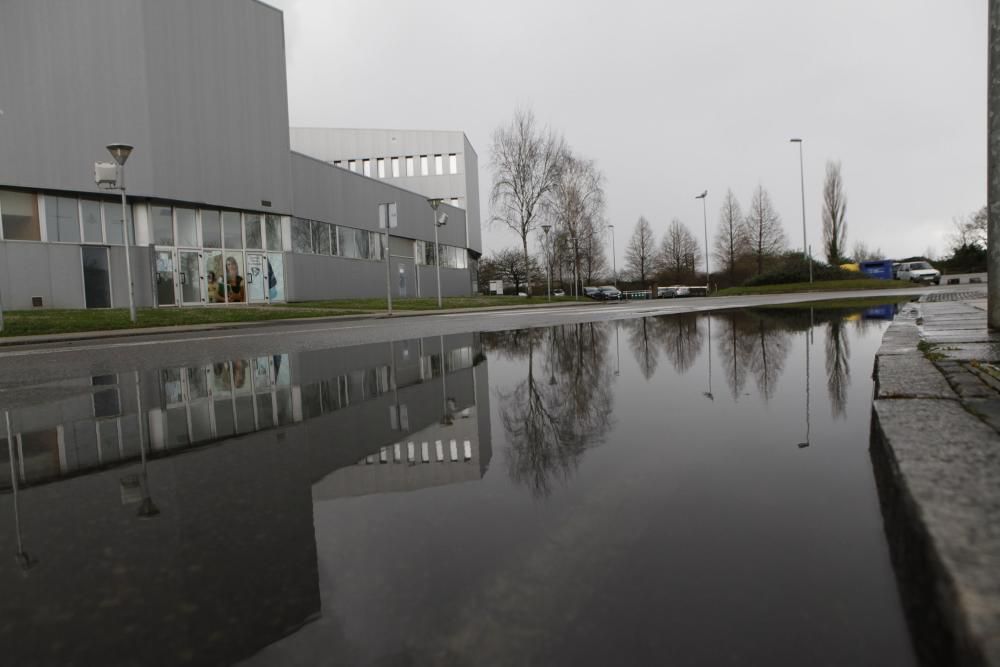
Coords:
pixel 120 152
pixel 434 203
pixel 702 195
pixel 795 140
pixel 546 228
pixel 442 220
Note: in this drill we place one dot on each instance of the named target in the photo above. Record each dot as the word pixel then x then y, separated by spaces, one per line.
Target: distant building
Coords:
pixel 437 164
pixel 220 209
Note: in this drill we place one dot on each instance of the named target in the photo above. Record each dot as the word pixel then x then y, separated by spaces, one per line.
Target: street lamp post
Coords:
pixel 802 179
pixel 704 213
pixel 614 268
pixel 548 258
pixel 437 247
pixel 576 263
pixel 120 153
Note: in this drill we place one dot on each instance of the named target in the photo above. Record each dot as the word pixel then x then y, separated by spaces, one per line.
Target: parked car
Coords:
pixel 675 291
pixel 918 272
pixel 592 292
pixel 559 292
pixel 666 292
pixel 610 293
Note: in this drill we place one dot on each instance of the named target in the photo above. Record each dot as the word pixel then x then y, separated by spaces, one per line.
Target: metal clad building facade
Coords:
pixel 199 89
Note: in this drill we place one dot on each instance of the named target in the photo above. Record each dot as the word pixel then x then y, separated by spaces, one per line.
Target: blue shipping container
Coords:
pixel 881 268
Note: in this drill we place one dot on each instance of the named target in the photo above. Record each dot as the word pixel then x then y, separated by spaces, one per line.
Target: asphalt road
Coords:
pixel 26 366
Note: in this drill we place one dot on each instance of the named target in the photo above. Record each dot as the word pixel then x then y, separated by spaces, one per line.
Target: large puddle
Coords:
pixel 680 490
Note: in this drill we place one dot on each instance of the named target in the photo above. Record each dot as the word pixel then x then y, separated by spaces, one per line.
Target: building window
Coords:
pixel 380 163
pixel 409 165
pixel 163 224
pixel 321 238
pixel 90 214
pixel 187 227
pixel 454 202
pixel 62 219
pixel 419 252
pixel 336 163
pixel 366 167
pixel 301 236
pixel 19 216
pixel 211 229
pixel 423 165
pixel 352 165
pixel 114 229
pixel 438 164
pixel 452 163
pixel 232 230
pixel 252 233
pixel 272 224
pixel 395 167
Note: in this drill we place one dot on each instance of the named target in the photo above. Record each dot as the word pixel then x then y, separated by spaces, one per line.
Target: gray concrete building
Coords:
pixel 220 209
pixel 435 163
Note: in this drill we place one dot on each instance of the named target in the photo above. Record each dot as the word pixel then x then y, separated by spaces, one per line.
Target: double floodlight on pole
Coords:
pixel 704 213
pixel 108 175
pixel 438 222
pixel 548 257
pixel 802 178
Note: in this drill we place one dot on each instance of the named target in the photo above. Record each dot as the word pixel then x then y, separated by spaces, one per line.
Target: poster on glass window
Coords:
pixel 215 277
pixel 235 284
pixel 275 276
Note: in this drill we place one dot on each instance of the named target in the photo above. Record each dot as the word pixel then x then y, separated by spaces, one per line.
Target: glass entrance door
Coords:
pixel 256 277
pixel 165 289
pixel 190 277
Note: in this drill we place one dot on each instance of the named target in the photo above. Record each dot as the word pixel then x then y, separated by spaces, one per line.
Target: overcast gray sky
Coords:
pixel 673 97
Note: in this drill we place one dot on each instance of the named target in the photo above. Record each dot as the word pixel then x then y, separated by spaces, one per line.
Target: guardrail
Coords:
pixel 636 294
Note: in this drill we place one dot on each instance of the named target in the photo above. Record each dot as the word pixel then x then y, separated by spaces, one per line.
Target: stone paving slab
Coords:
pixel 936 451
pixel 910 376
pixel 947 464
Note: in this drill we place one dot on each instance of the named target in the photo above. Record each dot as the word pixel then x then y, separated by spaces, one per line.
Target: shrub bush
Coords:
pixel 793 268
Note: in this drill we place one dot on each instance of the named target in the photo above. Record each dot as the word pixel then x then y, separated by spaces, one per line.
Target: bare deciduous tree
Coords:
pixel 526 163
pixel 730 242
pixel 762 226
pixel 834 209
pixel 576 209
pixel 641 250
pixel 680 253
pixel 861 253
pixel 970 230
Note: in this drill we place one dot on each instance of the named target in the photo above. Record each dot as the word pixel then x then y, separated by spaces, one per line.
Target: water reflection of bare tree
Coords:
pixel 838 366
pixel 735 348
pixel 682 339
pixel 562 407
pixel 642 340
pixel 769 352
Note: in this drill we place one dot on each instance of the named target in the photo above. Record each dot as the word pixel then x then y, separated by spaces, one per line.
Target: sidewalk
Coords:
pixel 936 452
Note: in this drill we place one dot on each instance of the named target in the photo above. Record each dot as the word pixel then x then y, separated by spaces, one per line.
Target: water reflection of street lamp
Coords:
pixel 708 394
pixel 803 445
pixel 548 258
pixel 23 559
pixel 147 508
pixel 447 419
pixel 618 350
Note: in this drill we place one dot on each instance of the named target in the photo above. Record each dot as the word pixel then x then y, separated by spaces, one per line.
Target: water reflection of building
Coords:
pixel 229 565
